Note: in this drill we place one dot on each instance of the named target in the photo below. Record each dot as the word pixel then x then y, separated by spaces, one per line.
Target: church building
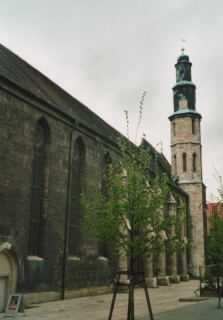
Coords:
pixel 49 155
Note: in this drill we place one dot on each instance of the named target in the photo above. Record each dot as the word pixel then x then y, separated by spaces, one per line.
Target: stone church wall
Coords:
pixel 19 116
pixel 87 271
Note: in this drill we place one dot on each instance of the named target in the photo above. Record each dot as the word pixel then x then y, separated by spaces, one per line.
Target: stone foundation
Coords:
pixel 185 278
pixel 38 297
pixel 151 282
pixel 174 279
pixel 163 281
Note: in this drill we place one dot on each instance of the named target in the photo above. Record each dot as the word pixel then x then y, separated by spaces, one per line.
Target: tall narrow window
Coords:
pixel 194 162
pixel 76 189
pixel 175 164
pixel 174 129
pixel 40 184
pixel 184 162
pixel 193 126
pixel 103 250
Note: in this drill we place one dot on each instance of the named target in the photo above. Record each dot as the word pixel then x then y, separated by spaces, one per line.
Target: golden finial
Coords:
pixel 182 46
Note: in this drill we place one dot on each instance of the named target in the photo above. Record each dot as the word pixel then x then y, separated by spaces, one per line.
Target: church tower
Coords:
pixel 186 158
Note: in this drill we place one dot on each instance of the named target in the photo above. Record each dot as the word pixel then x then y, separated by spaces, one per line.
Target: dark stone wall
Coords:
pixel 19 115
pixel 18 118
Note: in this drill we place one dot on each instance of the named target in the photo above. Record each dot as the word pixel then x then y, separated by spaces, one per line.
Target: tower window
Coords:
pixel 184 162
pixel 174 128
pixel 193 126
pixel 194 162
pixel 175 164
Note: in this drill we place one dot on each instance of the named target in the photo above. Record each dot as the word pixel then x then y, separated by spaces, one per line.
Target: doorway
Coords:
pixel 8 273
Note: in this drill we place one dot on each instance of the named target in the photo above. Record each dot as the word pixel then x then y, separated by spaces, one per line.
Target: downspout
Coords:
pixel 66 232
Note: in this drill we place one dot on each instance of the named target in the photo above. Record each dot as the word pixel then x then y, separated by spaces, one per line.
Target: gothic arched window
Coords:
pixel 40 185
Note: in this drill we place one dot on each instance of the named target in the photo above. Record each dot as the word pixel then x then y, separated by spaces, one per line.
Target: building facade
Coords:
pixel 49 156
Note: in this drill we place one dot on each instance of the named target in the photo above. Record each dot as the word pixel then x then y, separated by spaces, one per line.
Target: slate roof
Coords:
pixel 162 161
pixel 19 72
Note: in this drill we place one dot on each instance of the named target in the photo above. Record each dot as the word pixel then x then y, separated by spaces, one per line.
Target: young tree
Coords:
pixel 131 214
pixel 213 236
pixel 214 247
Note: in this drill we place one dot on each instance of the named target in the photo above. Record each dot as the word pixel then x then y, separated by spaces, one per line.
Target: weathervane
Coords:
pixel 183 46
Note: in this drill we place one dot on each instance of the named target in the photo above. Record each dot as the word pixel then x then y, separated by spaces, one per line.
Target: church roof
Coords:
pixel 162 161
pixel 20 73
pixel 185 113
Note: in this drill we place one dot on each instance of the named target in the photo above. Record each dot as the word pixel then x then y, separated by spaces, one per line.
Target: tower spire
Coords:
pixel 183 49
pixel 184 90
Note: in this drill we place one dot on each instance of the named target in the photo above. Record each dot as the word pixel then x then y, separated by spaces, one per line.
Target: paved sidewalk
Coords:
pixel 197 311
pixel 164 300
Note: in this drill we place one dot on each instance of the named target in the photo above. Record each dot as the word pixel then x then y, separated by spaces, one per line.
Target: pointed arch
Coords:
pixel 77 185
pixel 8 272
pixel 40 186
pixel 122 170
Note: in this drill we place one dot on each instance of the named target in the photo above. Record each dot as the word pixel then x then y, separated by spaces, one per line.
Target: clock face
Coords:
pixel 182 104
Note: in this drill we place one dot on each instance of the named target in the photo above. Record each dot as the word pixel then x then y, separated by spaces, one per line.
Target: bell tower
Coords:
pixel 186 157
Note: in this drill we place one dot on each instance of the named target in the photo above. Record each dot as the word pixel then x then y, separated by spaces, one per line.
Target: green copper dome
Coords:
pixel 184 89
pixel 183 57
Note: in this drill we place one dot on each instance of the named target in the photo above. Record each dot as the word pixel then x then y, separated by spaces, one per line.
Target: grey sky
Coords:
pixel 106 53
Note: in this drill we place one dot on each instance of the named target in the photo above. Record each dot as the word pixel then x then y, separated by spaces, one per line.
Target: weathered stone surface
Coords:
pixel 163 281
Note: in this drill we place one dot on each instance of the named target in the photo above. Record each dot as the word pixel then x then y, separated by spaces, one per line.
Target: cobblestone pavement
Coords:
pixel 164 300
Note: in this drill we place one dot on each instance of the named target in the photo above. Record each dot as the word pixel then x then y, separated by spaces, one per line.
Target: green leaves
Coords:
pixel 214 238
pixel 132 213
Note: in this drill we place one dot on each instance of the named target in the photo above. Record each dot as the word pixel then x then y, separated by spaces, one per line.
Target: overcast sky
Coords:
pixel 106 53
